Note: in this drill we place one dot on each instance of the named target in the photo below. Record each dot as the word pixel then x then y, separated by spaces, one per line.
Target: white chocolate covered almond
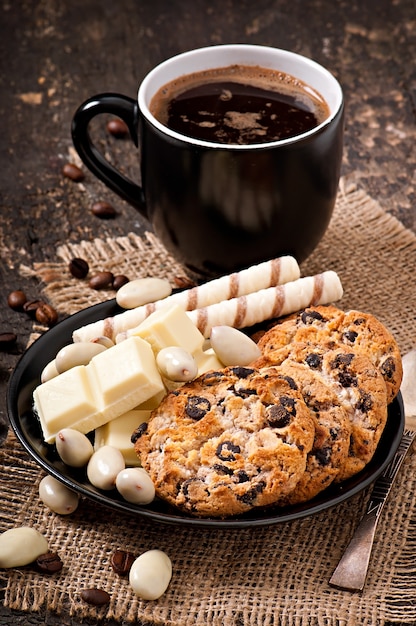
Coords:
pixel 103 467
pixel 233 347
pixel 73 447
pixel 142 291
pixel 150 574
pixel 57 497
pixel 21 546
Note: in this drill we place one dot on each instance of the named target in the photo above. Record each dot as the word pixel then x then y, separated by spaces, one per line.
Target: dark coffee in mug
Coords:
pixel 239 105
pixel 260 183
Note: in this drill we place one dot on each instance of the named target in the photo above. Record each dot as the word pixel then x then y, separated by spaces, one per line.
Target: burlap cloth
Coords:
pixel 260 576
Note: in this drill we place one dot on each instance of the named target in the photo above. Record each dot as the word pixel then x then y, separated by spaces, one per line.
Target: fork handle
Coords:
pixel 351 571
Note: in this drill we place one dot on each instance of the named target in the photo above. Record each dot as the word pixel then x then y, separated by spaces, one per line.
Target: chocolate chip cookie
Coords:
pixel 227 442
pixel 332 431
pixel 361 332
pixel 359 385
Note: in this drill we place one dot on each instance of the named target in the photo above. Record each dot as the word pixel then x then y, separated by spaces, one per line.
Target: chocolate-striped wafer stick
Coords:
pixel 268 274
pixel 269 303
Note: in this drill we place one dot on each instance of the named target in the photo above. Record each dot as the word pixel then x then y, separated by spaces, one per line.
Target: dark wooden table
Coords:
pixel 55 54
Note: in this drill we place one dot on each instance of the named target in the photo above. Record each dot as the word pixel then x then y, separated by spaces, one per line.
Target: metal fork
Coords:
pixel 351 572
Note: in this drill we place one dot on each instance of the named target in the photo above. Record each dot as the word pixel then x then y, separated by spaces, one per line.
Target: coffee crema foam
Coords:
pixel 239 104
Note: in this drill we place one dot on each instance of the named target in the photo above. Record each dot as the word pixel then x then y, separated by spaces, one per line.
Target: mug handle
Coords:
pixel 126 108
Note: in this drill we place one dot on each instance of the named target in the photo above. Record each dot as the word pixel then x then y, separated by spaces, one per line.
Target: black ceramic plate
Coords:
pixel 26 377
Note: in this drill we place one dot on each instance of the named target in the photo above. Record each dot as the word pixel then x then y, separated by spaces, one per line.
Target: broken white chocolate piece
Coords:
pixel 267 274
pixel 168 327
pixel 117 433
pixel 153 402
pixel 64 399
pixel 207 360
pixel 126 376
pixel 88 396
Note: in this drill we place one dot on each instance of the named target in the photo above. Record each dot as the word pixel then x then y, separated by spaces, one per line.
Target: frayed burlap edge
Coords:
pixel 133 256
pixel 272 576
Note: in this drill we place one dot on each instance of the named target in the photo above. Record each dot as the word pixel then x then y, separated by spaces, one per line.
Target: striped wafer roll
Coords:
pixel 269 303
pixel 268 274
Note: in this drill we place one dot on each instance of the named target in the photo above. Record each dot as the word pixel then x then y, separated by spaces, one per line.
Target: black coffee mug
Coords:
pixel 219 208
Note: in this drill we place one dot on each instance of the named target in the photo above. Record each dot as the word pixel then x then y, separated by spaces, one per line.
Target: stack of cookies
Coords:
pixel 309 412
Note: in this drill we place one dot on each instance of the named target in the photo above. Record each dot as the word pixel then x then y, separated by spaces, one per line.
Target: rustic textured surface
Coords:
pixel 53 55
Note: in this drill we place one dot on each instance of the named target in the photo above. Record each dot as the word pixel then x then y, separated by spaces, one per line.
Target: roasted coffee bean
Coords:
pixel 97 597
pixel 121 562
pixel 183 282
pixel 103 210
pixel 45 314
pixel 16 300
pixel 78 268
pixel 117 128
pixel 102 280
pixel 73 172
pixel 49 563
pixel 7 340
pixel 30 307
pixel 119 281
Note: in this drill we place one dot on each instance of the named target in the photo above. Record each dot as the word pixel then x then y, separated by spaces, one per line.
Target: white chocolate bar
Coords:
pixel 63 397
pixel 88 396
pixel 165 328
pixel 207 360
pixel 118 432
pixel 153 402
pixel 261 276
pixel 126 376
